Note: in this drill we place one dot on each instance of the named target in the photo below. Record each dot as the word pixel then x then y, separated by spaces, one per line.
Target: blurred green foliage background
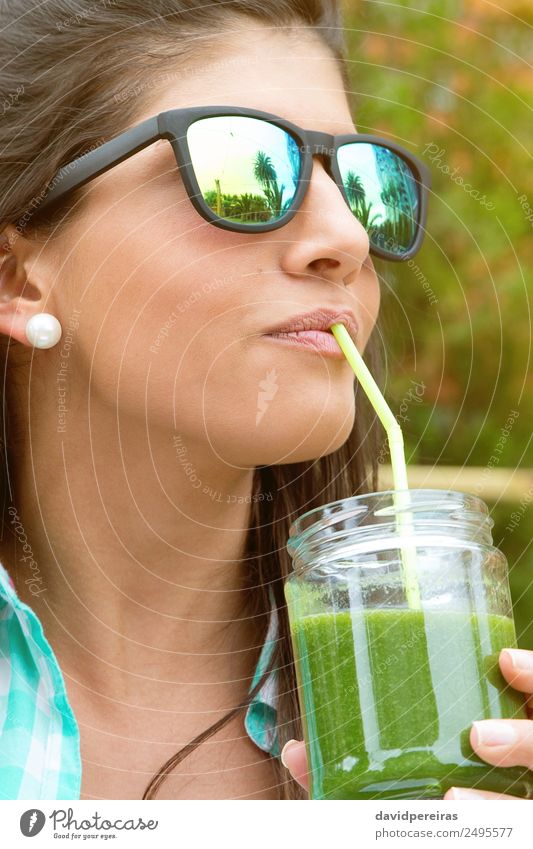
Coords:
pixel 452 81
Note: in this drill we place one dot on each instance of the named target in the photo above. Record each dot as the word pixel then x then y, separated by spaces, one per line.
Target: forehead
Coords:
pixel 291 74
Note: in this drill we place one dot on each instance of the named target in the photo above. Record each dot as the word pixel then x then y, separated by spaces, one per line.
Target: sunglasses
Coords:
pixel 247 171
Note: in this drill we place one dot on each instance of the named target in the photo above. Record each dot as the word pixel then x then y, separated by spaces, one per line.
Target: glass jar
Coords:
pixel 388 692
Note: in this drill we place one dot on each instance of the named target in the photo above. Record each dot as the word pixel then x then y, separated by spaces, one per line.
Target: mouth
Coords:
pixel 321 341
pixel 312 331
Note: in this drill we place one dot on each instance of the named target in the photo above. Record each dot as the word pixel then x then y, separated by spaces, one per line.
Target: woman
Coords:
pixel 159 440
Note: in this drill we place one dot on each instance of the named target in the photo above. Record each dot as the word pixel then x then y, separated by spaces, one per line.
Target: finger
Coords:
pixel 294 757
pixel 517 668
pixel 465 793
pixel 514 664
pixel 504 742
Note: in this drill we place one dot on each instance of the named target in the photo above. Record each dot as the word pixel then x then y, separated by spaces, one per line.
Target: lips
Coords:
pixel 311 330
pixel 322 341
pixel 318 320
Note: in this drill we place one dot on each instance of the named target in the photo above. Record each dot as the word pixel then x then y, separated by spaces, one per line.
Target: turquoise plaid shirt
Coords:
pixel 39 736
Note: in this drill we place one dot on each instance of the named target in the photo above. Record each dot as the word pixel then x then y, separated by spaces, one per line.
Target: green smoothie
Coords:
pixel 388 697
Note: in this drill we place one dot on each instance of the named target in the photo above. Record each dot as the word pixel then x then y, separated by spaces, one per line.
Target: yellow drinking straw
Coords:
pixel 399 468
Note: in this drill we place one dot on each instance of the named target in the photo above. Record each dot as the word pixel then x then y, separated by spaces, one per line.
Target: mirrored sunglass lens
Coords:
pixel 383 194
pixel 247 169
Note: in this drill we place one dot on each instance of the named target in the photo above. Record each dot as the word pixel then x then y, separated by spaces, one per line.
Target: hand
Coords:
pixel 518 752
pixel 501 750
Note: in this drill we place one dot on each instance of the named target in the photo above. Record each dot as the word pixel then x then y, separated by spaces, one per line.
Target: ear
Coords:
pixel 20 296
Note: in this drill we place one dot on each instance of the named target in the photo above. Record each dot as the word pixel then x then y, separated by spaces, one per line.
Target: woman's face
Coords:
pixel 173 310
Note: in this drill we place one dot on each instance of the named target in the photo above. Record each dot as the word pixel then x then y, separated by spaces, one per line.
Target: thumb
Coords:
pixel 294 757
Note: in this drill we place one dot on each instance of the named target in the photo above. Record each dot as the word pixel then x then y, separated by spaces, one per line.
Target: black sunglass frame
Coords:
pixel 173 125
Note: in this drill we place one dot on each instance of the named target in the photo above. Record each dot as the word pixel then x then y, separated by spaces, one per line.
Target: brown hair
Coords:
pixel 55 109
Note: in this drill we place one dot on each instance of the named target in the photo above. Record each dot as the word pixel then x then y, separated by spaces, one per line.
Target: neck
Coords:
pixel 135 570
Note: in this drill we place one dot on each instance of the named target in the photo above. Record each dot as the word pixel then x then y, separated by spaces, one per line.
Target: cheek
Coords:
pixel 374 303
pixel 162 336
pixel 366 293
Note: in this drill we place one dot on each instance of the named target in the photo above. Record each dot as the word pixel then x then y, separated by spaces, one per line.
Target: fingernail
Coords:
pixel 521 659
pixel 285 747
pixel 464 793
pixel 494 733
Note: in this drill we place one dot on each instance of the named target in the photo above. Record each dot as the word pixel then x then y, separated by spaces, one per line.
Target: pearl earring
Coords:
pixel 43 330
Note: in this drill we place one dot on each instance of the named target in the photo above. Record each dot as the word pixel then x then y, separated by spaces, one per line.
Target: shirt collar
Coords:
pixel 39 736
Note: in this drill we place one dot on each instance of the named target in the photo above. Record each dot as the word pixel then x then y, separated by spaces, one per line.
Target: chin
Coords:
pixel 286 443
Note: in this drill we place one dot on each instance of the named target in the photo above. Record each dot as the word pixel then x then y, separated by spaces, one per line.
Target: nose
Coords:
pixel 325 238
